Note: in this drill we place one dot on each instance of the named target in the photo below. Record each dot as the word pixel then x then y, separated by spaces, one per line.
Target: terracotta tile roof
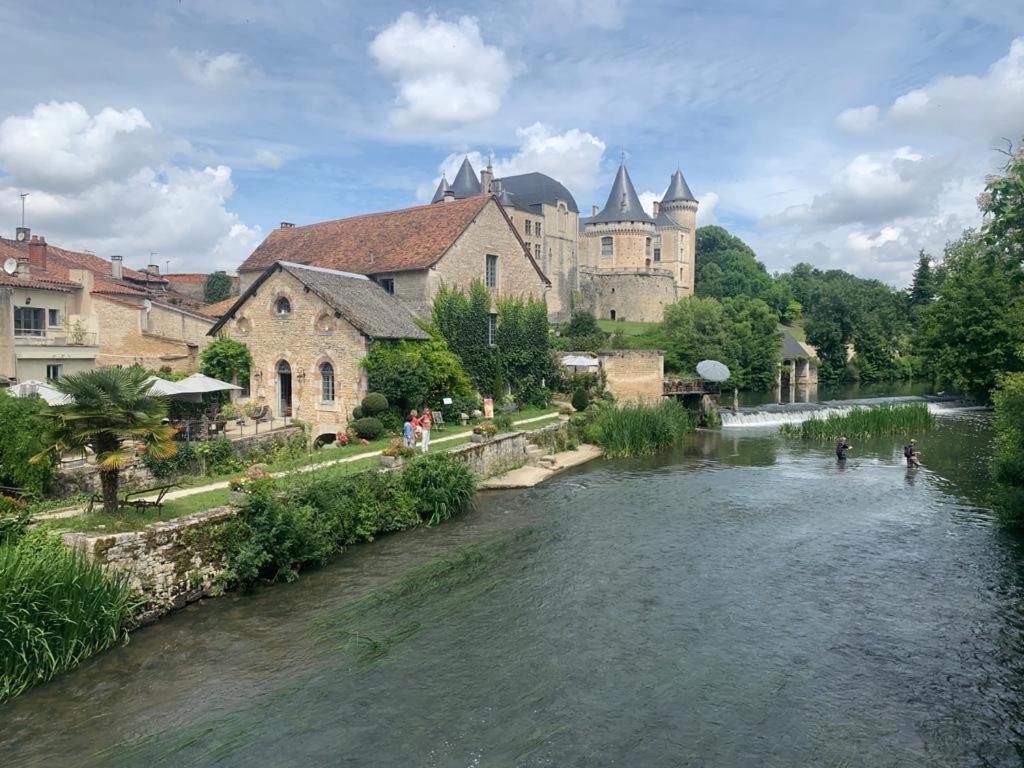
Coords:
pixel 218 308
pixel 392 241
pixel 185 277
pixel 59 261
pixel 9 249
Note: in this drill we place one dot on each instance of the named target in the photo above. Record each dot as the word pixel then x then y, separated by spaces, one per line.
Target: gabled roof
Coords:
pixel 467 183
pixel 60 260
pixel 359 300
pixel 377 243
pixel 529 189
pixel 218 309
pixel 623 203
pixel 793 349
pixel 678 190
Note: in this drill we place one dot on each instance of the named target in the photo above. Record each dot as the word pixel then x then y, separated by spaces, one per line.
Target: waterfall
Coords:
pixel 795 413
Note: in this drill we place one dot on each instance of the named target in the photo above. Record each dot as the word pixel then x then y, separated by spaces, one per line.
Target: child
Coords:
pixel 408 434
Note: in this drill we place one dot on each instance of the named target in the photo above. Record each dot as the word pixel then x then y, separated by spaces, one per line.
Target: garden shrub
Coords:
pixel 183 462
pixel 357 413
pixel 504 423
pixel 362 505
pixel 14 519
pixel 374 403
pixel 442 486
pixel 20 417
pixel 368 428
pixel 580 399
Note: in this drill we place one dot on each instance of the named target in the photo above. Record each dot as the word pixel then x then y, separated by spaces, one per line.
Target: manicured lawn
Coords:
pixel 624 327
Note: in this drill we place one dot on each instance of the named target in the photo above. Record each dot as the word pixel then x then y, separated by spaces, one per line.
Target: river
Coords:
pixel 739 601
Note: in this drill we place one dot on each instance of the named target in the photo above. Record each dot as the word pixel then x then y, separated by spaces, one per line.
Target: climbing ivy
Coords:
pixel 463 321
pixel 522 339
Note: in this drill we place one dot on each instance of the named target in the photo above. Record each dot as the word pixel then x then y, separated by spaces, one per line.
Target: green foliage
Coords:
pixel 727 267
pixel 57 609
pixel 504 422
pixel 217 287
pixel 21 418
pixel 1002 202
pixel 442 486
pixel 415 374
pixel 1008 462
pixel 368 427
pixel 226 359
pixel 582 333
pixel 904 419
pixel 974 330
pixel 357 413
pixel 15 516
pixel 580 399
pixel 111 413
pixel 361 506
pixel 639 430
pixel 463 322
pixel 924 285
pixel 522 338
pixel 374 404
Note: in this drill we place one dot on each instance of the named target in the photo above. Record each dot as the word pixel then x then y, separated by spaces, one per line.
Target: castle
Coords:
pixel 620 262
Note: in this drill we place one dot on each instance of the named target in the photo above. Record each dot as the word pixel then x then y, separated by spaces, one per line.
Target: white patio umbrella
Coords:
pixel 172 390
pixel 31 387
pixel 199 382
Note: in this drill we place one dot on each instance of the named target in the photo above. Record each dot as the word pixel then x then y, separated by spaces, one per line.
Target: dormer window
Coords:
pixel 283 307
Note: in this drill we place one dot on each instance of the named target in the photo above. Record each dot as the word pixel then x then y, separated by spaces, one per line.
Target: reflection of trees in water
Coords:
pixel 733 448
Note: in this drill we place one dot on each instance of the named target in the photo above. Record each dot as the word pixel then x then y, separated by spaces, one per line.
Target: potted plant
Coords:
pixel 236 490
pixel 395 453
pixel 483 431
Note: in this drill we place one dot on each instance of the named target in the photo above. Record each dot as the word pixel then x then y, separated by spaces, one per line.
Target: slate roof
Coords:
pixel 442 187
pixel 791 348
pixel 623 203
pixel 359 300
pixel 536 189
pixel 467 183
pixel 678 190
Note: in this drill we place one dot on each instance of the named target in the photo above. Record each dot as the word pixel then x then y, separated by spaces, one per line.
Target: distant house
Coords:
pixel 308 328
pixel 411 252
pixel 193 284
pixel 63 311
pixel 799 366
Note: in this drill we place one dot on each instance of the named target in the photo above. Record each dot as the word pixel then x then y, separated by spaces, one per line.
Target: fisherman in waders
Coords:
pixel 841 448
pixel 911 455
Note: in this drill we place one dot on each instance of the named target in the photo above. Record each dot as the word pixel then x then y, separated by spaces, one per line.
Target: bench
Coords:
pixel 126 499
pixel 438 419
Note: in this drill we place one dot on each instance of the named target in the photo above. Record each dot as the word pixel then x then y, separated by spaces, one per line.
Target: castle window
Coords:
pixel 606 246
pixel 491 271
pixel 536 253
pixel 529 225
pixel 536 229
pixel 283 307
pixel 647 247
pixel 657 254
pixel 327 383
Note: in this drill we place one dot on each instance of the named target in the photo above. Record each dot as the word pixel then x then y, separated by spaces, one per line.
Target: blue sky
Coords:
pixel 846 137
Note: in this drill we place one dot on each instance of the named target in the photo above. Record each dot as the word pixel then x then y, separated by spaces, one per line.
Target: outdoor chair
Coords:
pixel 438 419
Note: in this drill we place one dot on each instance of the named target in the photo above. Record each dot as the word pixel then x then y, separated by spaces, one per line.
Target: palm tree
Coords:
pixel 110 408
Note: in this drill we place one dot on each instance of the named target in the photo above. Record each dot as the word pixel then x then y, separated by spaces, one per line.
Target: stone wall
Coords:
pixel 164 336
pixel 172 563
pixel 634 296
pixel 634 375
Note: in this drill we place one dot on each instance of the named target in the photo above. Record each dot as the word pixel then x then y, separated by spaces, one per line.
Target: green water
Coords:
pixel 740 601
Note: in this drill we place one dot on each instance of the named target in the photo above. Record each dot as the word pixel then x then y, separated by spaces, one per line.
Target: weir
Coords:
pixel 795 413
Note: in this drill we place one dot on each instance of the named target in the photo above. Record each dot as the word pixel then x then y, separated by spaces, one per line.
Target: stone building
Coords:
pixel 545 216
pixel 98 312
pixel 308 328
pixel 621 262
pixel 193 284
pixel 411 252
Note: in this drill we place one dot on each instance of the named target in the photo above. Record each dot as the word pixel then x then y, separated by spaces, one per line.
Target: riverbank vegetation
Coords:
pixel 56 610
pixel 1008 462
pixel 904 419
pixel 637 429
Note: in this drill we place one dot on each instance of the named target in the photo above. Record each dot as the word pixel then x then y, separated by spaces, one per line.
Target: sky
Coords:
pixel 845 135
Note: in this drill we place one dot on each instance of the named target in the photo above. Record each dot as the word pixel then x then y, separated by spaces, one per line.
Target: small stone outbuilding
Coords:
pixel 308 329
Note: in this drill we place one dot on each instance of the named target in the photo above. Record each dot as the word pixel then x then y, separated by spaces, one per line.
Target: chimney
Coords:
pixel 655 209
pixel 154 270
pixel 286 225
pixel 449 196
pixel 117 267
pixel 487 179
pixel 24 268
pixel 37 252
pixel 594 210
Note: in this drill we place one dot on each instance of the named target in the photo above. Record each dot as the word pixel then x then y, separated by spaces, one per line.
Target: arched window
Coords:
pixel 606 246
pixel 327 383
pixel 283 307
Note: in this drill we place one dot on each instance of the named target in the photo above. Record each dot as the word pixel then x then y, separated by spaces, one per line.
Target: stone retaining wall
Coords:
pixel 174 563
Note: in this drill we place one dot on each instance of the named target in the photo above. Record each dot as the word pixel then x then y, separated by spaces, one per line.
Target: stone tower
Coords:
pixel 621 235
pixel 677 226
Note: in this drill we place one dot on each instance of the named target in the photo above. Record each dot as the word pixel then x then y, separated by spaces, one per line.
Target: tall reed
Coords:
pixel 904 419
pixel 639 429
pixel 56 609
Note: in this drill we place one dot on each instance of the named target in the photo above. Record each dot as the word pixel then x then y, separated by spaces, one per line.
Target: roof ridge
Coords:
pixel 374 214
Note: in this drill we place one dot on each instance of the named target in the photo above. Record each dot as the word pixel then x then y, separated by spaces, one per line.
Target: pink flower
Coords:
pixel 364 441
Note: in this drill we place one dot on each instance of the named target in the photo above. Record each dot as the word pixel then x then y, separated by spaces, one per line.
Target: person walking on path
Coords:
pixel 408 434
pixel 414 417
pixel 426 422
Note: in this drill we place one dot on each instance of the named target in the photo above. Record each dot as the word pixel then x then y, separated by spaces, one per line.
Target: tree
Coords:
pixel 110 411
pixel 20 417
pixel 226 359
pixel 1003 203
pixel 922 288
pixel 217 287
pixel 1008 462
pixel 464 322
pixel 726 266
pixel 523 341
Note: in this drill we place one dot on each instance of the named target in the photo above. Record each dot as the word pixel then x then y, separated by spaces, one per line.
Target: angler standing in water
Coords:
pixel 911 454
pixel 841 448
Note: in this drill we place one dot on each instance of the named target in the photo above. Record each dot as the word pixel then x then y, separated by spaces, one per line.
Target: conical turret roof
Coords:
pixel 467 183
pixel 442 187
pixel 678 190
pixel 623 203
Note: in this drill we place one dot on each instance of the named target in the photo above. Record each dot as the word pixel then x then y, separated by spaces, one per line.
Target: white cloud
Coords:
pixel 978 108
pixel 573 158
pixel 111 193
pixel 446 75
pixel 603 14
pixel 707 211
pixel 213 70
pixel 864 241
pixel 268 158
pixel 858 119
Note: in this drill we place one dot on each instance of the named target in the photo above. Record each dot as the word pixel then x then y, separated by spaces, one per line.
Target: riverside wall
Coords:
pixel 176 562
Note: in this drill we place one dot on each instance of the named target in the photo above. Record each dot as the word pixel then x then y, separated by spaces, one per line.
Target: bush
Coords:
pixel 368 428
pixel 20 417
pixel 1008 462
pixel 441 485
pixel 184 461
pixel 580 399
pixel 637 430
pixel 374 403
pixel 503 422
pixel 357 413
pixel 14 519
pixel 57 610
pixel 488 428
